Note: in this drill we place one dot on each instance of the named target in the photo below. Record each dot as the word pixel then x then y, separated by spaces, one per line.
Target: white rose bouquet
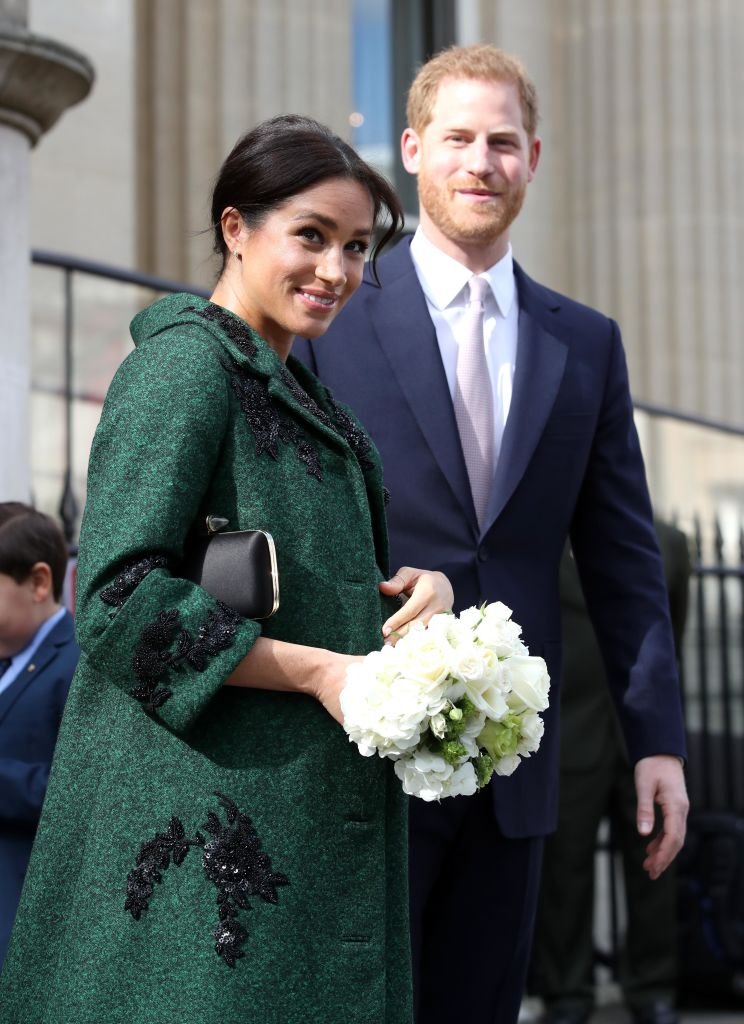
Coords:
pixel 451 703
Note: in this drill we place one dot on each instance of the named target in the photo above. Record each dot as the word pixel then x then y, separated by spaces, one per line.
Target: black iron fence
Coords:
pixel 713 651
pixel 713 672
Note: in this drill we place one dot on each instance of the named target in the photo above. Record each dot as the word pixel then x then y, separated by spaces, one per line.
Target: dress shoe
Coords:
pixel 660 1012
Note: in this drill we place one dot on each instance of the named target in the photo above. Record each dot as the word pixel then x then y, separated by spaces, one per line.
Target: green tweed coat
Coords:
pixel 206 853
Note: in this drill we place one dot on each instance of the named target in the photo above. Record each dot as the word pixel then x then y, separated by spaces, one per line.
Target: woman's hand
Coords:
pixel 293 668
pixel 425 594
pixel 329 681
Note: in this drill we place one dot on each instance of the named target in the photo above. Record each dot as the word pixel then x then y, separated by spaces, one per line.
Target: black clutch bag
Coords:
pixel 239 568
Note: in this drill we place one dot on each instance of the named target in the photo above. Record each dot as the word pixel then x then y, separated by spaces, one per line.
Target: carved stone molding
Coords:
pixel 39 80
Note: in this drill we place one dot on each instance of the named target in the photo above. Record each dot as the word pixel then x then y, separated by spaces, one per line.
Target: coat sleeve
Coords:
pixel 617 555
pixel 163 640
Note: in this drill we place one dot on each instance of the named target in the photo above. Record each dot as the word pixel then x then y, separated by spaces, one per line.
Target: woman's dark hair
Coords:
pixel 286 155
pixel 28 537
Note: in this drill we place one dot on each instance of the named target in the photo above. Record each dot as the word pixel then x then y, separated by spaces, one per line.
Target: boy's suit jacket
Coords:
pixel 30 713
pixel 570 463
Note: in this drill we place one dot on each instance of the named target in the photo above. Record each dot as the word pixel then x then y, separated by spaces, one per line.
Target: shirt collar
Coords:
pixel 444 278
pixel 38 638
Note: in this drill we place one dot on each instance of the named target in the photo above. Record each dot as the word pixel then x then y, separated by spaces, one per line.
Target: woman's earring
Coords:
pixel 237 255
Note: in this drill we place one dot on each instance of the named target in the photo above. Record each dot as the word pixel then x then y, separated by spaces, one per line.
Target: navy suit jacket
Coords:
pixel 570 463
pixel 30 714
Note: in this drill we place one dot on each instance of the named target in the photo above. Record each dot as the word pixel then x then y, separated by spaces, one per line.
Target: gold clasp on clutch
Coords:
pixel 215 524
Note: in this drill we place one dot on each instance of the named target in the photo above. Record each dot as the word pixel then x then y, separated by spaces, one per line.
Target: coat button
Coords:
pixel 482 554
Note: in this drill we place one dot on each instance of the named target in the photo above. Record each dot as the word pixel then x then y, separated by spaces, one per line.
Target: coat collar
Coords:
pixel 407 336
pixel 303 396
pixel 61 635
pixel 289 385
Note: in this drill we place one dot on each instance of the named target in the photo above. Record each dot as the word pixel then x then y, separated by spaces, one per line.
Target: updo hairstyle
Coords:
pixel 284 156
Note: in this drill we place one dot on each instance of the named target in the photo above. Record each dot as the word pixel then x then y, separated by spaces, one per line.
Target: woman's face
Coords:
pixel 300 265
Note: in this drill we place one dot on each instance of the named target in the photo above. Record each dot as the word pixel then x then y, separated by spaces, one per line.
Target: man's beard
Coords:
pixel 476 225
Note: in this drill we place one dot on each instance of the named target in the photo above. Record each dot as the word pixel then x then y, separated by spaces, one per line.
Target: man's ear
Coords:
pixel 410 150
pixel 535 150
pixel 42 584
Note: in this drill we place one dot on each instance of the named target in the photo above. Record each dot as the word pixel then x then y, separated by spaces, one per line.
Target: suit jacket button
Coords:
pixel 482 555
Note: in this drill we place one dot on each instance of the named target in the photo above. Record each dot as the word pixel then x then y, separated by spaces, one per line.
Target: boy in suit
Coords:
pixel 38 656
pixel 503 416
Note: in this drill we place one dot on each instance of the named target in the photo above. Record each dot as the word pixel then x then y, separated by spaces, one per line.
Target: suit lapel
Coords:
pixel 60 635
pixel 406 334
pixel 541 360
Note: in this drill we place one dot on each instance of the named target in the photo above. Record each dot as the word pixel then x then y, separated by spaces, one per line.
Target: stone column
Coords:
pixel 206 74
pixel 39 79
pixel 636 207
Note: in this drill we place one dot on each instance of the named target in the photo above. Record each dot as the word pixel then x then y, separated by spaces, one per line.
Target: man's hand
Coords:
pixel 660 780
pixel 425 594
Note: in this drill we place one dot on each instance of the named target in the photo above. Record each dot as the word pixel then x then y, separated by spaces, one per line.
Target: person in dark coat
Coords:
pixel 213 848
pixel 556 454
pixel 38 655
pixel 596 780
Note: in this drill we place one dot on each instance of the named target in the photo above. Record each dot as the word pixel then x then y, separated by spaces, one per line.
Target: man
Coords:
pixel 38 656
pixel 490 466
pixel 596 780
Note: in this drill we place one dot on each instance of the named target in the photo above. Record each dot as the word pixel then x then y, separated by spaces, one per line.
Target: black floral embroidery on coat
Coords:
pixel 153 656
pixel 236 865
pixel 128 580
pixel 356 438
pixel 266 422
pixel 268 425
pixel 236 331
pixel 153 857
pixel 232 860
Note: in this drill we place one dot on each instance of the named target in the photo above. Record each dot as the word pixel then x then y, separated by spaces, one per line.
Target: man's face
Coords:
pixel 473 160
pixel 18 615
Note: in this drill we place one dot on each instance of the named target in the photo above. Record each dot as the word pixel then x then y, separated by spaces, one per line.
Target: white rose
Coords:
pixel 441 624
pixel 529 681
pixel 500 635
pixel 423 658
pixel 438 725
pixel 470 617
pixel 507 765
pixel 471 732
pixel 497 611
pixel 488 697
pixel 467 662
pixel 532 731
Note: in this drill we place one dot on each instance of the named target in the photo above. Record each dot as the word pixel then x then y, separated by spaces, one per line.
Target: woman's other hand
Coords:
pixel 425 593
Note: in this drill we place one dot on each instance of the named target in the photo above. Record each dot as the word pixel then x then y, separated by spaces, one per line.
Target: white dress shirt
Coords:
pixel 444 283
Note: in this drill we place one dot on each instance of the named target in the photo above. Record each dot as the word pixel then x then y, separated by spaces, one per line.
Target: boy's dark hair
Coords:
pixel 28 537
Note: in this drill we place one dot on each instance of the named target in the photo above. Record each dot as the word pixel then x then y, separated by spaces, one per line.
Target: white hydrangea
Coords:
pixel 401 702
pixel 429 777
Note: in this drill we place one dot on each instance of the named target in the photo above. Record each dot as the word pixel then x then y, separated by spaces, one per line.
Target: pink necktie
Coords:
pixel 473 399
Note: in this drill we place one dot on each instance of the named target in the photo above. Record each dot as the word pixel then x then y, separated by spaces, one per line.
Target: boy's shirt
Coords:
pixel 19 661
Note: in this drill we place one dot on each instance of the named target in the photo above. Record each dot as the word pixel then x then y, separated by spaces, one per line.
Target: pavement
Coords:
pixel 612 1012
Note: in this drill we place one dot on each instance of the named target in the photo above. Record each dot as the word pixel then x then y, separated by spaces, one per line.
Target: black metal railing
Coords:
pixel 713 674
pixel 713 651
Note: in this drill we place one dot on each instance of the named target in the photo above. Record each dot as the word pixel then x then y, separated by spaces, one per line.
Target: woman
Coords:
pixel 214 852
